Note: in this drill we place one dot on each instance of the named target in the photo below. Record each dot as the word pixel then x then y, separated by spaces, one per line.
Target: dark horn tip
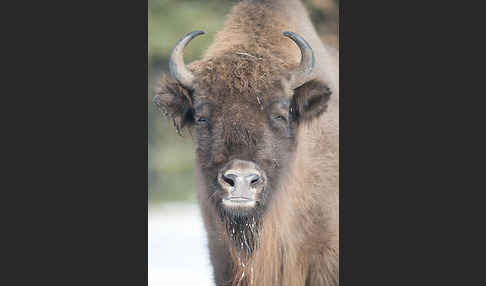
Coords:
pixel 288 34
pixel 291 35
pixel 298 39
pixel 196 33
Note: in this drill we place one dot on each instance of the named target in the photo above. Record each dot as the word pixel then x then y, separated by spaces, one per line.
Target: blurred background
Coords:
pixel 177 242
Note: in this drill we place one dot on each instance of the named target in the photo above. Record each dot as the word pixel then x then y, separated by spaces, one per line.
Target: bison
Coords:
pixel 262 105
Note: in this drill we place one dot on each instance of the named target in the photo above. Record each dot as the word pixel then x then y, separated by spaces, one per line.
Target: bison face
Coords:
pixel 242 147
pixel 244 139
pixel 245 111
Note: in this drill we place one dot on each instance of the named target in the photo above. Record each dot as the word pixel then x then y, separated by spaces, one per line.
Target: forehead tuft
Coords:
pixel 242 74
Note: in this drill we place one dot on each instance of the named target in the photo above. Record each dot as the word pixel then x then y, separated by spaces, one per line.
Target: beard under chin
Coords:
pixel 242 227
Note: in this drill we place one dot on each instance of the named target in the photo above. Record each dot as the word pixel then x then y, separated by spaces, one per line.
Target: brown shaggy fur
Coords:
pixel 242 73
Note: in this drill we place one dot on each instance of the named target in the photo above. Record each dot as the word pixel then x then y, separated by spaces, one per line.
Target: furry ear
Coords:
pixel 175 102
pixel 310 100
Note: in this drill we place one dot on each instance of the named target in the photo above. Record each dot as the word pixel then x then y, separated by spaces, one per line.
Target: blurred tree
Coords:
pixel 325 16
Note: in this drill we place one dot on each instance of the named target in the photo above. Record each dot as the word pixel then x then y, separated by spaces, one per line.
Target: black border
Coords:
pixel 79 200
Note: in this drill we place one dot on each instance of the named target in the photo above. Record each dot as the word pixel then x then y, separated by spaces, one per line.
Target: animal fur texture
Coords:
pixel 294 239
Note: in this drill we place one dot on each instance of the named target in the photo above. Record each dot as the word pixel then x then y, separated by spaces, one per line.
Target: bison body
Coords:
pixel 263 107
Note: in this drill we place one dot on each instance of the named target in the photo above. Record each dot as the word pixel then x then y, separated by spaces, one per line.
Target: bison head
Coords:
pixel 245 110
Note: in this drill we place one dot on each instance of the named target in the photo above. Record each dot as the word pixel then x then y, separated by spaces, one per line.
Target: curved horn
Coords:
pixel 177 68
pixel 302 73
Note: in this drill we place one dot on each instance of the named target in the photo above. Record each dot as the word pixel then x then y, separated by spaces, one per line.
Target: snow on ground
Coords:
pixel 177 246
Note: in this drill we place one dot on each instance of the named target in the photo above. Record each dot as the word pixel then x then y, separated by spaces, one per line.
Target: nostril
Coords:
pixel 228 180
pixel 240 180
pixel 255 179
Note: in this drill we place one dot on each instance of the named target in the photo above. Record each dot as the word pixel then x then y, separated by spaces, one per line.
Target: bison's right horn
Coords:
pixel 177 68
pixel 302 74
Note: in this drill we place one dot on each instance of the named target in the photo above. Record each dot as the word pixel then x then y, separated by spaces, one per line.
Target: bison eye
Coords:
pixel 280 118
pixel 201 120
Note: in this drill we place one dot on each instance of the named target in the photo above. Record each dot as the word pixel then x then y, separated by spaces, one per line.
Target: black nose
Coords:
pixel 241 178
pixel 238 179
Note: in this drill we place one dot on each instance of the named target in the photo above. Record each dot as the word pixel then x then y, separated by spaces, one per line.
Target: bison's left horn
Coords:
pixel 177 68
pixel 302 74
